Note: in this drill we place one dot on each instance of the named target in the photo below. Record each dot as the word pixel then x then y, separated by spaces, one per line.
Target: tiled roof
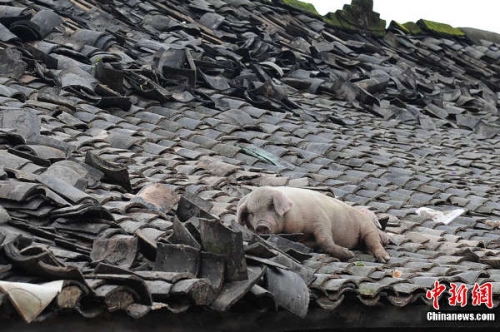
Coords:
pixel 129 130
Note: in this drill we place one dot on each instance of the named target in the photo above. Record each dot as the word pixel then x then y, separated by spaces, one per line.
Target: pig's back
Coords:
pixel 310 207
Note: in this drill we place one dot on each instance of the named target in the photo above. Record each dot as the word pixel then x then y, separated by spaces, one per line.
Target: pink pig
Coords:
pixel 326 222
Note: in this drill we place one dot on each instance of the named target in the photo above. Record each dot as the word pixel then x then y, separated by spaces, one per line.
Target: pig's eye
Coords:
pixel 271 205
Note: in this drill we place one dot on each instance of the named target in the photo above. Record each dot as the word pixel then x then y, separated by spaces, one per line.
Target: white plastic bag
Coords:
pixel 444 217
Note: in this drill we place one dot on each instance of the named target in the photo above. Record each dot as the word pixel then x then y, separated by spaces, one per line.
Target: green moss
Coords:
pixel 356 17
pixel 441 28
pixel 434 27
pixel 375 28
pixel 399 26
pixel 307 7
pixel 413 28
pixel 332 19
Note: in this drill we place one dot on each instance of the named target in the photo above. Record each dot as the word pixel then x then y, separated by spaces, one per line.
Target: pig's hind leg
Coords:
pixel 386 239
pixel 373 241
pixel 325 241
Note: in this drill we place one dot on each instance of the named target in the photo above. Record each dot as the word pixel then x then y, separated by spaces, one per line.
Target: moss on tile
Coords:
pixel 440 28
pixel 332 19
pixel 413 28
pixel 304 6
pixel 433 27
pixel 396 25
pixel 358 16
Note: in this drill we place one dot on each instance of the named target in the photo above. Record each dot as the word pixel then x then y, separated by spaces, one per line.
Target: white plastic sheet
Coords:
pixel 30 299
pixel 444 217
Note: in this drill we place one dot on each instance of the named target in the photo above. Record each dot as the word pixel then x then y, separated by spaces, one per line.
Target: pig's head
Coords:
pixel 263 209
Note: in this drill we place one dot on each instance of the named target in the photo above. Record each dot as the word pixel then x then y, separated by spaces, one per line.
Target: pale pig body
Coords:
pixel 332 225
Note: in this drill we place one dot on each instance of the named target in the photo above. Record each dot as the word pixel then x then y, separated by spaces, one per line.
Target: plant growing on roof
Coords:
pixel 307 7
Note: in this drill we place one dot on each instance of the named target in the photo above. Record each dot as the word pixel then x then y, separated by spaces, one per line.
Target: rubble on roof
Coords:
pixel 130 129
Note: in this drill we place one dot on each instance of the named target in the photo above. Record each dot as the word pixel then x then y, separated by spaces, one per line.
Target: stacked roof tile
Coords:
pixel 130 129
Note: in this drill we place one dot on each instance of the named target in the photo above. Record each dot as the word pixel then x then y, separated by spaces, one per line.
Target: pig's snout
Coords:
pixel 262 228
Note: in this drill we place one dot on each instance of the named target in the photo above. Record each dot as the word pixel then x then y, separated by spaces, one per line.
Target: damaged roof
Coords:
pixel 129 130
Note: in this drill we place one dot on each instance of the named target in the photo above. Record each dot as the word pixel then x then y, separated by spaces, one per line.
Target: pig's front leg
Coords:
pixel 325 241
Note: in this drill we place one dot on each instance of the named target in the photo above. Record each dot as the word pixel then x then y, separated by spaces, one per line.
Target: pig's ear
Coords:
pixel 242 212
pixel 281 203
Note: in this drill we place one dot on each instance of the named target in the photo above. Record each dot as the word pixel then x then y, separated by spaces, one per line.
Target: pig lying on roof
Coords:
pixel 326 222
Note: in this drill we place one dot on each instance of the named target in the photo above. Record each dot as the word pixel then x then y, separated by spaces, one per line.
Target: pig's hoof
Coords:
pixel 382 257
pixel 345 254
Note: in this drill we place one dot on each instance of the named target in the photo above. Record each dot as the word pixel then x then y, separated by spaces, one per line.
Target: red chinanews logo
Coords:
pixel 458 294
